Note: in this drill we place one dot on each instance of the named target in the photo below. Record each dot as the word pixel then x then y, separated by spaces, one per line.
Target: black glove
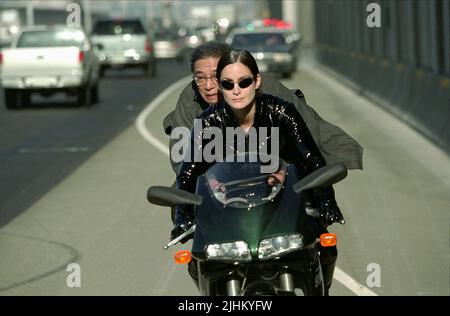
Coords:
pixel 330 214
pixel 184 220
pixel 328 208
pixel 177 230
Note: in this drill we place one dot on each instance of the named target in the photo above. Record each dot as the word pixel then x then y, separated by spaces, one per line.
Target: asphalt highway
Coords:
pixel 44 143
pixel 74 180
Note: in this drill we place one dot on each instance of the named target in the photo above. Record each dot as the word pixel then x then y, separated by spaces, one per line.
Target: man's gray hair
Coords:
pixel 209 49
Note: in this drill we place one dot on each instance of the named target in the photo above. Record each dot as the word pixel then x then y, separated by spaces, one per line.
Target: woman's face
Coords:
pixel 239 98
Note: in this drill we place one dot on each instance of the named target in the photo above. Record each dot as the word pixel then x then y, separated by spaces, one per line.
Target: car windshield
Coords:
pixel 263 42
pixel 118 28
pixel 241 184
pixel 51 38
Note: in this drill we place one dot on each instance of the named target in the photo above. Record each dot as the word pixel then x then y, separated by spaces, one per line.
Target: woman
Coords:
pixel 244 107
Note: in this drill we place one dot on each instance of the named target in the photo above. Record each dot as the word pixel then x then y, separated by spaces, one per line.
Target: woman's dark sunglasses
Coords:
pixel 243 83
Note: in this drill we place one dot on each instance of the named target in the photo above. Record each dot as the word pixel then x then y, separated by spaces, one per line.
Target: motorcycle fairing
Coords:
pixel 217 223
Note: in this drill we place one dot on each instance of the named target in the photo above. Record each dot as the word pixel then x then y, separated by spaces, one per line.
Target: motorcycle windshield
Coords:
pixel 241 184
pixel 249 208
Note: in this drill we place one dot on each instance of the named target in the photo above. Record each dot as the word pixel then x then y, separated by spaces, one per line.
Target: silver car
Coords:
pixel 275 50
pixel 46 60
pixel 168 45
pixel 123 44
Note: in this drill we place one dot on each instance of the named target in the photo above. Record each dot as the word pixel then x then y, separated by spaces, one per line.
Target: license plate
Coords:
pixel 41 82
pixel 119 60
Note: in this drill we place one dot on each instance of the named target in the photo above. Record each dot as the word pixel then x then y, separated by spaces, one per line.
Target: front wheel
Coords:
pixel 17 98
pixel 94 94
pixel 150 69
pixel 102 71
pixel 11 99
pixel 25 99
pixel 313 280
pixel 84 96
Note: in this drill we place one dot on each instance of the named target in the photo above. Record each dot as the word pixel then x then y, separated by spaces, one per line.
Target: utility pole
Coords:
pixel 30 13
pixel 87 16
pixel 167 14
pixel 289 8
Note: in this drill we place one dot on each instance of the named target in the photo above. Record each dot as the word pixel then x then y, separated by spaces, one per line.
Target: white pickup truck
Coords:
pixel 48 60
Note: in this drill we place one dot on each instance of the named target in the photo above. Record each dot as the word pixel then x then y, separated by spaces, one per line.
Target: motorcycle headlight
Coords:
pixel 281 57
pixel 233 251
pixel 279 245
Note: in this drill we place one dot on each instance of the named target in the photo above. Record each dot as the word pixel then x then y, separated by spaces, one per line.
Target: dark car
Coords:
pixel 124 43
pixel 275 50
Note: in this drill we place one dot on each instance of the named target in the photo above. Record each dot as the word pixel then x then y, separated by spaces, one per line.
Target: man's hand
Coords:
pixel 216 185
pixel 276 177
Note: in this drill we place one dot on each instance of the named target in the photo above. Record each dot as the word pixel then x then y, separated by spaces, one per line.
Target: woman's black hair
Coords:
pixel 237 55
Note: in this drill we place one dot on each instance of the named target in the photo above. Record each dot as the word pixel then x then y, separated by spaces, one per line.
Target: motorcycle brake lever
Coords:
pixel 313 212
pixel 174 241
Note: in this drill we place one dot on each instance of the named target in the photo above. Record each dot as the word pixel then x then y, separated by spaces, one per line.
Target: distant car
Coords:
pixel 123 44
pixel 193 39
pixel 208 34
pixel 47 60
pixel 275 50
pixel 168 44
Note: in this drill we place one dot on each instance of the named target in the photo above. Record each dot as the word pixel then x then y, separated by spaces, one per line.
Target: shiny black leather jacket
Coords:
pixel 296 146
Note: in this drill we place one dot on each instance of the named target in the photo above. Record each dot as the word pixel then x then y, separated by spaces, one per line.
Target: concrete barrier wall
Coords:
pixel 396 64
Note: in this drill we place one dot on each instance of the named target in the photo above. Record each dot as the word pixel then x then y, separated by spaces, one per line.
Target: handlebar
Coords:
pixel 191 230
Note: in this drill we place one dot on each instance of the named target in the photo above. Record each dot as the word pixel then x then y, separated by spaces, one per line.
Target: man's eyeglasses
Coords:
pixel 243 83
pixel 201 80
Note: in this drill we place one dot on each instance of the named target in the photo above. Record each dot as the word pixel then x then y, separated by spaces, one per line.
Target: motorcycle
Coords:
pixel 252 234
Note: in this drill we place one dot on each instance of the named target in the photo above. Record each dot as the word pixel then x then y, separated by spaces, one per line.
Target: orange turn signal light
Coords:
pixel 183 257
pixel 328 240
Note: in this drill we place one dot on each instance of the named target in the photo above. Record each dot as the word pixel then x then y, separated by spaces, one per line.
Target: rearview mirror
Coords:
pixel 322 177
pixel 168 196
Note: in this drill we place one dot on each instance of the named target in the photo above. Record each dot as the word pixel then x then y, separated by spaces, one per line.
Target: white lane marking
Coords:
pixel 352 284
pixel 164 280
pixel 140 121
pixel 339 275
